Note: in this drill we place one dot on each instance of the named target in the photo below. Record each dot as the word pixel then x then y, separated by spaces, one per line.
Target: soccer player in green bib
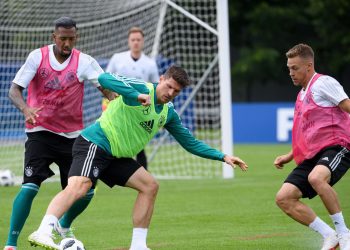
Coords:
pixel 105 150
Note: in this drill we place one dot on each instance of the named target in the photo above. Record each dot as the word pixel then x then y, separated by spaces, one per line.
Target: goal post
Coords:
pixel 189 33
pixel 225 84
pixel 216 29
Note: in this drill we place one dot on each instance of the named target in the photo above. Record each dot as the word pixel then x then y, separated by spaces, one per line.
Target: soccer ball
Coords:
pixel 6 178
pixel 71 244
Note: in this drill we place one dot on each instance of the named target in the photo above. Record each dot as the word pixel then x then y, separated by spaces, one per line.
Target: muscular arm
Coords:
pixel 130 89
pixel 283 159
pixel 16 97
pixel 110 95
pixel 345 105
pixel 89 69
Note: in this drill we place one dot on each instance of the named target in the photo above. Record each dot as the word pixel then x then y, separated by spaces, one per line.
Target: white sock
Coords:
pixel 47 224
pixel 139 236
pixel 339 223
pixel 321 227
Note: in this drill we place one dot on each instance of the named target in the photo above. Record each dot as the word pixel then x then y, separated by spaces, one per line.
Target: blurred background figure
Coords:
pixel 134 63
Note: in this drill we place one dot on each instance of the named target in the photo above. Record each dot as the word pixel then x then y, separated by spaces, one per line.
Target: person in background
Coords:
pixel 134 64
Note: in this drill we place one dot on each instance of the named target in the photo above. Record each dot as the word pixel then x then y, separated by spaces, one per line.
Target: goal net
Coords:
pixel 184 32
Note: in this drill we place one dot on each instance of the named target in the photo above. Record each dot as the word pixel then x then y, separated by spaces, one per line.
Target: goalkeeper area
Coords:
pixel 183 32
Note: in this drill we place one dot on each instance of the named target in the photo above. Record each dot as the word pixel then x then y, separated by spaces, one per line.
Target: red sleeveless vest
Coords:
pixel 316 127
pixel 59 93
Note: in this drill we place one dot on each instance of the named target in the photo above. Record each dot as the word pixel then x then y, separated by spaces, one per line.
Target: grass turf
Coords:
pixel 239 213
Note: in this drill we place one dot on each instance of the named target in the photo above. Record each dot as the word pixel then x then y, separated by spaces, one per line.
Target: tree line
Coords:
pixel 262 31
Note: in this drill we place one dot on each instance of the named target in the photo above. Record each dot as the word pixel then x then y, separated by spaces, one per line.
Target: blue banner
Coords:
pixel 262 122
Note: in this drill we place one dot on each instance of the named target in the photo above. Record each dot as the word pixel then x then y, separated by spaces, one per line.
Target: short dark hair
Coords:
pixel 179 75
pixel 135 30
pixel 302 50
pixel 65 22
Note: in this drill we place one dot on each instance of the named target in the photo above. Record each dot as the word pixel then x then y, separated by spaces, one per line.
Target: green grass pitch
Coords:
pixel 210 214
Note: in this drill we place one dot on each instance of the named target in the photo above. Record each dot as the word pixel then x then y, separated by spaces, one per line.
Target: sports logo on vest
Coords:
pixel 147 110
pixel 44 73
pixel 147 125
pixel 70 76
pixel 161 121
pixel 53 84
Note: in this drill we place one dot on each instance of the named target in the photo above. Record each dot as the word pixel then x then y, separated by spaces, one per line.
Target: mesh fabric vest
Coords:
pixel 129 128
pixel 59 93
pixel 316 127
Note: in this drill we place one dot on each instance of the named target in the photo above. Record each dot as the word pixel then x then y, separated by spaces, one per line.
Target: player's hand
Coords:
pixel 233 161
pixel 144 99
pixel 30 114
pixel 281 160
pixel 110 94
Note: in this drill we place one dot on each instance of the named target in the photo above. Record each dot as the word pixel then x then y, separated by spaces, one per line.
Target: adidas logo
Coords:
pixel 325 158
pixel 147 125
pixel 53 84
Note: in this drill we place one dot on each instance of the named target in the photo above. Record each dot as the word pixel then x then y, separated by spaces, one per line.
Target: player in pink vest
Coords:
pixel 320 147
pixel 54 76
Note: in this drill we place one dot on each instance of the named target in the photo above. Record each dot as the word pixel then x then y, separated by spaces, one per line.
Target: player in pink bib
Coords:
pixel 59 93
pixel 54 76
pixel 320 147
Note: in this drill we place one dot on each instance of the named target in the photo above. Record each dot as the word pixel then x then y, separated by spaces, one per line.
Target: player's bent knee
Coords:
pixel 282 200
pixel 316 181
pixel 76 193
pixel 153 187
pixel 278 200
pixel 150 188
pixel 78 186
pixel 320 175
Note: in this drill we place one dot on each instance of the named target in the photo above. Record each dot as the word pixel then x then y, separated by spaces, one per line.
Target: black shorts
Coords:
pixel 43 148
pixel 91 161
pixel 336 158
